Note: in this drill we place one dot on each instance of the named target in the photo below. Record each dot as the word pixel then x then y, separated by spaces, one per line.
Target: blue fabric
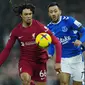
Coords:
pixel 67 30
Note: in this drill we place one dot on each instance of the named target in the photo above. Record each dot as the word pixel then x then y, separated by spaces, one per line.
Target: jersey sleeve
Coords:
pixel 76 25
pixel 5 53
pixel 51 50
pixel 82 30
pixel 58 48
pixel 55 41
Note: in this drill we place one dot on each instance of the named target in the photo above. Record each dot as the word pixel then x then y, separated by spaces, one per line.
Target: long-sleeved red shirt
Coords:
pixel 28 49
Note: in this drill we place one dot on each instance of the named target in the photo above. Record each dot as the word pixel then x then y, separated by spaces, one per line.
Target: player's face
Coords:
pixel 27 16
pixel 54 13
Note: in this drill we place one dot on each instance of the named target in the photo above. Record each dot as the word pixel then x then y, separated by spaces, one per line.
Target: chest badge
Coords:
pixel 33 35
pixel 64 29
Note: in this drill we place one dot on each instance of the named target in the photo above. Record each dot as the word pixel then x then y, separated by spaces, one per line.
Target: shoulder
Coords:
pixel 16 28
pixel 63 18
pixel 68 18
pixel 37 22
pixel 49 24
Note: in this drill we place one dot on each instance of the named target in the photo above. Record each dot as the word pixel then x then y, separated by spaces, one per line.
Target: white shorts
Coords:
pixel 73 66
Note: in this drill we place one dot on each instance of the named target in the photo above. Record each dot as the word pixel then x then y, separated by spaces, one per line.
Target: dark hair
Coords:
pixel 54 4
pixel 18 9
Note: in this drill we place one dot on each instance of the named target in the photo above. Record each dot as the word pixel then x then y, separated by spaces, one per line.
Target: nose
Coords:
pixel 53 13
pixel 28 16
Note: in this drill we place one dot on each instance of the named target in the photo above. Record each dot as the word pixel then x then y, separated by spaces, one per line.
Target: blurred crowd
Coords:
pixel 8 20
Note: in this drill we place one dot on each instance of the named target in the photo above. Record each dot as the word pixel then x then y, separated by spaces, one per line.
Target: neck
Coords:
pixel 57 21
pixel 24 24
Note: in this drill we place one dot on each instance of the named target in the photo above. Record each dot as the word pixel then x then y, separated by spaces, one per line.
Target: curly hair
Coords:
pixel 19 8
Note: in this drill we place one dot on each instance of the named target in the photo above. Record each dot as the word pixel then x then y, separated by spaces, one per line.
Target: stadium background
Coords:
pixel 8 20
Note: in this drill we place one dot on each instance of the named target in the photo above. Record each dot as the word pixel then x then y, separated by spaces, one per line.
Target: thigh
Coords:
pixel 77 83
pixel 64 77
pixel 40 83
pixel 65 66
pixel 25 67
pixel 39 74
pixel 77 69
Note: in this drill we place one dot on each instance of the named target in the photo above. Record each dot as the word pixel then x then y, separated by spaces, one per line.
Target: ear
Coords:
pixel 20 15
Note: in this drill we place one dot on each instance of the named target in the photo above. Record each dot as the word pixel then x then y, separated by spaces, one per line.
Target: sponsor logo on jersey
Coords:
pixel 65 39
pixel 28 43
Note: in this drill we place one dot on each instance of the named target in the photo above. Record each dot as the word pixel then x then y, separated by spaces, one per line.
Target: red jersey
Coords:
pixel 28 49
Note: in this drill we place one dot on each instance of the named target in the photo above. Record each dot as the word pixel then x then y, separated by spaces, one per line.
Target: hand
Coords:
pixel 77 43
pixel 57 67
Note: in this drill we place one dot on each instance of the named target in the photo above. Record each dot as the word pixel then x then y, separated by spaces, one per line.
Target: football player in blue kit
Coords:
pixel 68 30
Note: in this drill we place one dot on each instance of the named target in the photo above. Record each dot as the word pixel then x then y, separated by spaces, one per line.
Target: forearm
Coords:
pixel 3 56
pixel 82 39
pixel 58 49
pixel 58 52
pixel 82 31
pixel 5 53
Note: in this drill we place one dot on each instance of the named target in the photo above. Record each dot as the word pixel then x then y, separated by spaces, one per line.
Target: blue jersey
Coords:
pixel 67 29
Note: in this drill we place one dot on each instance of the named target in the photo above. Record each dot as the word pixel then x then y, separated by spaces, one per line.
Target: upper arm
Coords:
pixel 11 40
pixel 76 25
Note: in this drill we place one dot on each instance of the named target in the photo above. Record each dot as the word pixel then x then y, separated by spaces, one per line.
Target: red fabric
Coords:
pixel 37 71
pixel 58 48
pixel 32 83
pixel 28 49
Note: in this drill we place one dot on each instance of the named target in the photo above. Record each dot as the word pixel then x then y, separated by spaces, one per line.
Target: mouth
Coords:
pixel 54 16
pixel 28 20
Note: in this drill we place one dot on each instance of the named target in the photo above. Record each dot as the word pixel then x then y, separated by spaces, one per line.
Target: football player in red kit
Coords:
pixel 32 63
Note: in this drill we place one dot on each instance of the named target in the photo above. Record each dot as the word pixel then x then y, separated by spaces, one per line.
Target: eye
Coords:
pixel 50 11
pixel 55 11
pixel 25 14
pixel 30 13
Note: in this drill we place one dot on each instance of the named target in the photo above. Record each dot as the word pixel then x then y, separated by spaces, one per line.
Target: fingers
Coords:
pixel 58 71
